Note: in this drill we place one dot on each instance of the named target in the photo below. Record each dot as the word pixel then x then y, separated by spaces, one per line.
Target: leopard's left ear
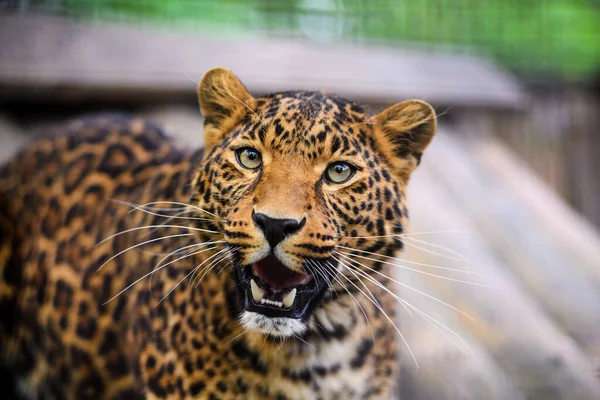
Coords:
pixel 402 132
pixel 224 101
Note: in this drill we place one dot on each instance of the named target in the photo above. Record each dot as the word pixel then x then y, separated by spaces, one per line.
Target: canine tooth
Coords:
pixel 288 299
pixel 257 293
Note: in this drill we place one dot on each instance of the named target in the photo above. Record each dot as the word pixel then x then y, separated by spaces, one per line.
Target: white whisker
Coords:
pixel 404 234
pixel 155 226
pixel 184 205
pixel 419 271
pixel 211 266
pixel 244 104
pixel 428 273
pixel 190 273
pixel 383 312
pixel 425 316
pixel 142 278
pixel 156 210
pixel 181 249
pixel 141 244
pixel 458 256
pixel 408 286
pixel 224 266
pixel 233 338
pixel 333 275
pixel 304 341
pixel 170 217
pixel 188 254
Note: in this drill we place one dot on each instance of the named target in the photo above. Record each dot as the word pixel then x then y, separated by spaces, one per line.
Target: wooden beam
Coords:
pixel 62 59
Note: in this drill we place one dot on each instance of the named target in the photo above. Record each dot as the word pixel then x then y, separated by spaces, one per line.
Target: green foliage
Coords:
pixel 558 37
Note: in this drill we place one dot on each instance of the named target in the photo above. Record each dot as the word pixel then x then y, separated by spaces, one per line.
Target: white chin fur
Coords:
pixel 279 326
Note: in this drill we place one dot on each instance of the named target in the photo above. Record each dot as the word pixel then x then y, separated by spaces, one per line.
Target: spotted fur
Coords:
pixel 184 335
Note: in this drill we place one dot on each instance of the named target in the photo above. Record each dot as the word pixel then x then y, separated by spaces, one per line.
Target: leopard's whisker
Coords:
pixel 152 253
pixel 441 328
pixel 184 205
pixel 242 102
pixel 188 275
pixel 140 279
pixel 324 273
pixel 407 286
pixel 181 249
pixel 406 308
pixel 226 92
pixel 165 222
pixel 156 210
pixel 397 265
pixel 230 255
pixel 209 268
pixel 405 234
pixel 407 241
pixel 145 206
pixel 234 338
pixel 137 228
pixel 315 266
pixel 356 302
pixel 437 246
pixel 437 325
pixel 188 254
pixel 304 341
pixel 224 266
pixel 141 244
pixel 226 256
pixel 424 315
pixel 462 271
pixel 376 304
pixel 366 288
pixel 176 216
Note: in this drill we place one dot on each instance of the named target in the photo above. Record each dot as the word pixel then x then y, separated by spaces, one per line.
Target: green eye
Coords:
pixel 249 158
pixel 339 172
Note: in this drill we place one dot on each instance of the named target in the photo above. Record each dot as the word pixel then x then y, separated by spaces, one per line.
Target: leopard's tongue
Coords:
pixel 279 277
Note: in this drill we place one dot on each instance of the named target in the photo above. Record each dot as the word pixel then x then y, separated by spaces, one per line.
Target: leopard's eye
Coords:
pixel 249 158
pixel 339 172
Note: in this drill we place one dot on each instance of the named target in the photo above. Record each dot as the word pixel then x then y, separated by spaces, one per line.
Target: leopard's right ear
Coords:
pixel 403 131
pixel 223 101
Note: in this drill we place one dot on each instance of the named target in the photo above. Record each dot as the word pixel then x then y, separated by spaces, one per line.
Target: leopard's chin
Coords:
pixel 272 290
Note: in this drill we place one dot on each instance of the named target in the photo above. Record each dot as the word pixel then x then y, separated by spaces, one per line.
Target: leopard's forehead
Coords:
pixel 311 123
pixel 309 105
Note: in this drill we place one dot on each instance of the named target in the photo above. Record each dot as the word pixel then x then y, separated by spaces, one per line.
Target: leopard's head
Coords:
pixel 299 179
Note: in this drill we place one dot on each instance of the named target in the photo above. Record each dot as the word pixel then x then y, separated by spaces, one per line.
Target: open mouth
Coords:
pixel 270 288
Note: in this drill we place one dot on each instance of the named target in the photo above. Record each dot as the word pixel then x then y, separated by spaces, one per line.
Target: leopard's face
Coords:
pixel 298 179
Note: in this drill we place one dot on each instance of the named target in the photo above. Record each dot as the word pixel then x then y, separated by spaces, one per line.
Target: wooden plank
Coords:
pixel 539 358
pixel 62 56
pixel 564 280
pixel 557 220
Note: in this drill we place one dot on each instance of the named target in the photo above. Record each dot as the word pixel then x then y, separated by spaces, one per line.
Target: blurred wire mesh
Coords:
pixel 536 38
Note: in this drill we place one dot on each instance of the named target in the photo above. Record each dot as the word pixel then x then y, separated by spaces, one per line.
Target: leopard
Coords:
pixel 257 267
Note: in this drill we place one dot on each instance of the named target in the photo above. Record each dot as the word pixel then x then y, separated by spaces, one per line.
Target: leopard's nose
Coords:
pixel 276 229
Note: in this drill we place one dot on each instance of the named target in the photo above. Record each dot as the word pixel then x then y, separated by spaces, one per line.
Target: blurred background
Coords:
pixel 505 206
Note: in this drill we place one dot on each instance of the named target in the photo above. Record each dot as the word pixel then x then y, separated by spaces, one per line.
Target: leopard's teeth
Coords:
pixel 257 293
pixel 271 302
pixel 288 299
pixel 259 296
